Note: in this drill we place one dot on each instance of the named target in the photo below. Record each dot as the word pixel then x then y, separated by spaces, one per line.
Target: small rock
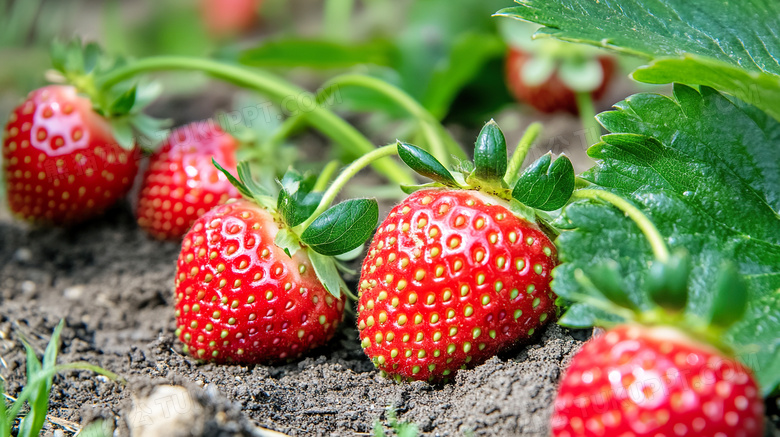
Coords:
pixel 73 293
pixel 23 255
pixel 169 411
pixel 28 287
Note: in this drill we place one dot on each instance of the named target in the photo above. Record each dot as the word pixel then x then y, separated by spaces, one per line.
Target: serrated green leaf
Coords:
pixel 709 182
pixel 545 186
pixel 342 227
pixel 312 53
pixel 425 164
pixel 327 273
pixel 757 336
pixel 490 160
pixel 702 42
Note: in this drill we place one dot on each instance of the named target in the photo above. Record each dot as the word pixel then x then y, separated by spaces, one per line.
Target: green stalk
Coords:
pixel 647 227
pixel 433 131
pixel 349 139
pixel 518 156
pixel 588 115
pixel 326 175
pixel 351 170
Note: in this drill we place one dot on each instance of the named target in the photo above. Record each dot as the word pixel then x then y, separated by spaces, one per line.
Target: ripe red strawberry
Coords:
pixel 454 274
pixel 181 183
pixel 552 94
pixel 256 281
pixel 62 162
pixel 228 18
pixel 451 278
pixel 241 298
pixel 644 381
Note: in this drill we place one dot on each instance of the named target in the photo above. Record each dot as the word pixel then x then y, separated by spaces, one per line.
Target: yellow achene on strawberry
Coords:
pixel 460 270
pixel 240 298
pixel 451 278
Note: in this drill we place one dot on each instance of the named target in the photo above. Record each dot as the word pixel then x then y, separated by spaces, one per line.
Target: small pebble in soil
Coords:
pixel 28 287
pixel 73 293
pixel 23 255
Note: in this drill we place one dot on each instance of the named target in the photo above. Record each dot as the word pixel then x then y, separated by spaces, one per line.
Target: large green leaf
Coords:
pixel 728 45
pixel 705 170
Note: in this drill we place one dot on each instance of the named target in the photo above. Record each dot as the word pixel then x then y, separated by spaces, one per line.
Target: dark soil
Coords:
pixel 112 285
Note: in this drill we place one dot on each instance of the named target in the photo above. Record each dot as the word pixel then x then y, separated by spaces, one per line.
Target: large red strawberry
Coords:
pixel 240 298
pixel 181 183
pixel 650 381
pixel 255 281
pixel 664 371
pixel 454 274
pixel 544 88
pixel 62 162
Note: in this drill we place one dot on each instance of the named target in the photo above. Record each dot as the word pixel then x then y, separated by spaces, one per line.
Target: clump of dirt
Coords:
pixel 112 285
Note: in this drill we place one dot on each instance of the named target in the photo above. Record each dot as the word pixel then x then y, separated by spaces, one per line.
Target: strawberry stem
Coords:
pixel 327 173
pixel 647 227
pixel 588 117
pixel 341 132
pixel 433 131
pixel 342 179
pixel 518 156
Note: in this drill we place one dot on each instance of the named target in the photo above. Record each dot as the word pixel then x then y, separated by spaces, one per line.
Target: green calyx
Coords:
pixel 82 65
pixel 546 185
pixel 667 288
pixel 305 221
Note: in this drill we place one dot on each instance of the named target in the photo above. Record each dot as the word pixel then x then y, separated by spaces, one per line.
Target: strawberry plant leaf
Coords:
pixel 124 103
pixel 409 189
pixel 425 164
pixel 490 153
pixel 287 241
pixel 544 185
pixel 296 203
pixel 327 272
pixel 700 42
pixel 243 189
pixel 708 179
pixel 342 227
